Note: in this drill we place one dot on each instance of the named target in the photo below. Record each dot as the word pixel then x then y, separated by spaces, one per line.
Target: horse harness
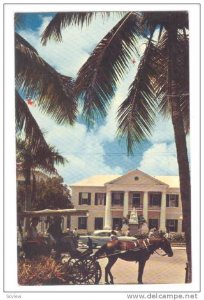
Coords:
pixel 138 245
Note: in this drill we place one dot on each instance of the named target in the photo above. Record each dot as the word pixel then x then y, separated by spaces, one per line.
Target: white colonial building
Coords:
pixel 110 198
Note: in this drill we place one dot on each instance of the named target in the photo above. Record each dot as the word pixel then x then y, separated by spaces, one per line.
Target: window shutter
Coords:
pixel 79 223
pixel 121 199
pixel 89 198
pixel 159 202
pixel 167 200
pixel 85 225
pixel 177 201
pixel 80 196
pixel 104 199
pixel 96 202
pixel 176 225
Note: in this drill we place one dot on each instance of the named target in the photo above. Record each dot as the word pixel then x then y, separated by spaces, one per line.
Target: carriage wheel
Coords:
pixel 83 271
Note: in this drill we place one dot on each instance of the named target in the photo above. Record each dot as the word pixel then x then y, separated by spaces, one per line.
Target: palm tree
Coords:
pixel 43 158
pixel 161 82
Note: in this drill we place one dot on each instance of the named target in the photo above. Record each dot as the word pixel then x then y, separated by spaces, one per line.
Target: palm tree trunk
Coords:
pixel 181 147
pixel 27 175
pixel 33 191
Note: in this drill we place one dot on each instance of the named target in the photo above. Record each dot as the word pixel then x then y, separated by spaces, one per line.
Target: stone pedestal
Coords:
pixel 133 222
pixel 133 229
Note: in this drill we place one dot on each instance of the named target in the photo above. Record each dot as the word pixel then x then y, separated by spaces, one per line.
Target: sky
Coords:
pixel 96 151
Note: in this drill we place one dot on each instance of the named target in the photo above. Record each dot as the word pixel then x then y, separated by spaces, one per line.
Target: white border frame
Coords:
pixel 10 278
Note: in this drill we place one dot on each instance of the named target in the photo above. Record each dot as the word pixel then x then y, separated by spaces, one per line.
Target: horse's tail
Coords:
pixel 101 251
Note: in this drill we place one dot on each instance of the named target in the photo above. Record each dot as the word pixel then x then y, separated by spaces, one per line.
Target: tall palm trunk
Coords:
pixel 27 174
pixel 33 190
pixel 181 148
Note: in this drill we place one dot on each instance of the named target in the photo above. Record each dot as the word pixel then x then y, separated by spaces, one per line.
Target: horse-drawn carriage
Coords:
pixel 83 267
pixel 79 267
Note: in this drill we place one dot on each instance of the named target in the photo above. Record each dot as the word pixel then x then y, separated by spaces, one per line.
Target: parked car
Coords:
pixel 100 237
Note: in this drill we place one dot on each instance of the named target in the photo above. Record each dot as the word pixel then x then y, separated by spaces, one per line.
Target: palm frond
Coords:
pixel 137 113
pixel 161 78
pixel 27 123
pixel 183 79
pixel 36 78
pixel 61 20
pixel 165 19
pixel 41 157
pixel 97 79
pixel 182 75
pixel 19 21
pixel 47 158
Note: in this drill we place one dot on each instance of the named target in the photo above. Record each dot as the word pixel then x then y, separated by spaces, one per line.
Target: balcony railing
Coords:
pixel 154 207
pixel 136 205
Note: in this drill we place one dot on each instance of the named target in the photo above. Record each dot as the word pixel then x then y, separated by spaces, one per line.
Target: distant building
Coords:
pixel 110 198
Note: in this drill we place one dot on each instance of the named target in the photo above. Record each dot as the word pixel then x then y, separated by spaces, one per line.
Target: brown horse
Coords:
pixel 139 251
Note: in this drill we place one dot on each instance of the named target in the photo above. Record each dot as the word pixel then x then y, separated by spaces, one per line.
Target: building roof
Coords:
pixel 100 180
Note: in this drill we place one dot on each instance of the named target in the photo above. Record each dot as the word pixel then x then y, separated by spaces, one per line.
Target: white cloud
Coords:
pixel 108 130
pixel 83 149
pixel 163 131
pixel 160 159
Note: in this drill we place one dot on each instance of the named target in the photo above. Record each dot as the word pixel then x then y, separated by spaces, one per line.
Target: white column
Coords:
pixel 145 206
pixel 65 223
pixel 108 222
pixel 179 225
pixel 163 213
pixel 125 204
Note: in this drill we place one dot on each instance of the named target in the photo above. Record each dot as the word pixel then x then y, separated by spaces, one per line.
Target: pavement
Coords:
pixel 158 269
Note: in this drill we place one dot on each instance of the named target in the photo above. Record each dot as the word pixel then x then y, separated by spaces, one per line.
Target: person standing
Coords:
pixel 143 227
pixel 90 243
pixel 32 233
pixel 35 243
pixel 75 232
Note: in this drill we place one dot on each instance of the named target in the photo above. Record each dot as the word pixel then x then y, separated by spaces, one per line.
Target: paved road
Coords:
pixel 158 269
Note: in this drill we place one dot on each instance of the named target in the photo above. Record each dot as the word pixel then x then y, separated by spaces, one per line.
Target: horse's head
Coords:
pixel 166 246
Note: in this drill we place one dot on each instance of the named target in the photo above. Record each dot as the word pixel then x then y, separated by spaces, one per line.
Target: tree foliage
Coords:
pixel 51 193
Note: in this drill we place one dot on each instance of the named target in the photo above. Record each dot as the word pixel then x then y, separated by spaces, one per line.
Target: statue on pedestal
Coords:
pixel 133 222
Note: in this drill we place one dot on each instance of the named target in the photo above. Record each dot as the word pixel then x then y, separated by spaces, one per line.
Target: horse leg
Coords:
pixel 111 261
pixel 140 271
